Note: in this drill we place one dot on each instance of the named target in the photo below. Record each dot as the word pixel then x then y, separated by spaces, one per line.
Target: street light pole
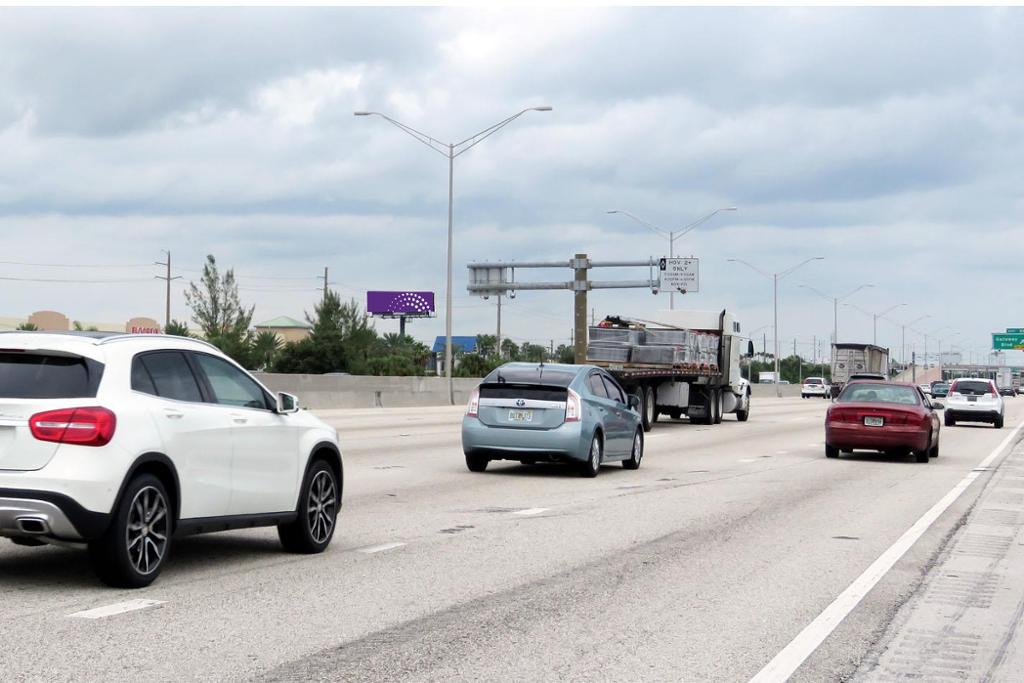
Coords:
pixel 450 150
pixel 775 277
pixel 672 235
pixel 835 305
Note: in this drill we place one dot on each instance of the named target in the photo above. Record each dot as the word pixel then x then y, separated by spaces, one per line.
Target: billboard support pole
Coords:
pixel 498 343
pixel 580 310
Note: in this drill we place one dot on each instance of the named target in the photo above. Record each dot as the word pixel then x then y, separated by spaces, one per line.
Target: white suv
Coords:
pixel 974 400
pixel 814 386
pixel 121 443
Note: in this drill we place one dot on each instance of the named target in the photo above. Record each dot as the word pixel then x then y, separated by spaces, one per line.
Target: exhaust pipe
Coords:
pixel 35 526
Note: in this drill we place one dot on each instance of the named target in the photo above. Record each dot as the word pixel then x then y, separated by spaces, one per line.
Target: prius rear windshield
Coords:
pixel 36 375
pixel 531 375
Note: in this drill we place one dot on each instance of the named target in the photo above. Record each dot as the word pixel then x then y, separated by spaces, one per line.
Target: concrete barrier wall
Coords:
pixel 366 391
pixel 768 390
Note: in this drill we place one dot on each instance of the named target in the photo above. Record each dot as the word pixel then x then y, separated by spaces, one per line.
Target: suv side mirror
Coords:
pixel 938 406
pixel 286 403
pixel 634 402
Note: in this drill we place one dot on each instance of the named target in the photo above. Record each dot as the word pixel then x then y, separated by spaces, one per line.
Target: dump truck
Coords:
pixel 685 363
pixel 857 359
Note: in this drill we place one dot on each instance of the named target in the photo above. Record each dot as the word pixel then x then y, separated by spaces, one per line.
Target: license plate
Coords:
pixel 972 399
pixel 873 421
pixel 520 416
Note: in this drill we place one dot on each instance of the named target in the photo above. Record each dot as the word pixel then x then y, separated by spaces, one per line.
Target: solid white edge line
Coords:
pixel 789 659
pixel 379 548
pixel 116 608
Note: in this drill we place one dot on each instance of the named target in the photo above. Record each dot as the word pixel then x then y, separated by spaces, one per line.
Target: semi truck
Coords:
pixel 684 363
pixel 767 378
pixel 857 359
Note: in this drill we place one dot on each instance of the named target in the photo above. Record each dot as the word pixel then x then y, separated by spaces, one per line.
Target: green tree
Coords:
pixel 79 328
pixel 509 350
pixel 177 328
pixel 486 344
pixel 28 327
pixel 399 355
pixel 219 313
pixel 266 346
pixel 565 354
pixel 533 353
pixel 475 365
pixel 341 340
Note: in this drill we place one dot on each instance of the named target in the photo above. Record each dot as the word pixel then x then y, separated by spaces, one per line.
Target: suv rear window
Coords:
pixel 38 375
pixel 971 388
pixel 813 380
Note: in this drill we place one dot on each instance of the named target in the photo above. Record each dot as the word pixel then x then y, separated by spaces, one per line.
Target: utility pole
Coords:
pixel 167 278
pixel 580 312
pixel 325 284
pixel 499 326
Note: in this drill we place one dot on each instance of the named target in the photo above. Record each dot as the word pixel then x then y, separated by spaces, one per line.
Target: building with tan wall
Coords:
pixel 287 329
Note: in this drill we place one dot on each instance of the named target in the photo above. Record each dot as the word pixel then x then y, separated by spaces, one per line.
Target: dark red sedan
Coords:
pixel 882 416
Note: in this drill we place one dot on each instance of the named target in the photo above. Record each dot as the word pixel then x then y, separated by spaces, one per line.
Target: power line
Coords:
pixel 75 265
pixel 59 280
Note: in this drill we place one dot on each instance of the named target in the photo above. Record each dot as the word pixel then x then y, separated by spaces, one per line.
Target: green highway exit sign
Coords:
pixel 1009 340
pixel 1015 330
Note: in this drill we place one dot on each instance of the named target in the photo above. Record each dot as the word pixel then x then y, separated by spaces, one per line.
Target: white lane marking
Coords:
pixel 807 641
pixel 748 460
pixel 781 452
pixel 116 608
pixel 530 511
pixel 379 548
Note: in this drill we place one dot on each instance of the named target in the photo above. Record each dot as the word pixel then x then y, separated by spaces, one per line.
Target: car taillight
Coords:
pixel 573 407
pixel 474 403
pixel 92 426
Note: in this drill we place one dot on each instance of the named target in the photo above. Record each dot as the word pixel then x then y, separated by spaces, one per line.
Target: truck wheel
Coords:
pixel 718 400
pixel 649 415
pixel 744 414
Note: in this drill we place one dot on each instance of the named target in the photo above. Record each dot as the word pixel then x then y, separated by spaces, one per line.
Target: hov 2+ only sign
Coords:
pixel 680 274
pixel 1007 341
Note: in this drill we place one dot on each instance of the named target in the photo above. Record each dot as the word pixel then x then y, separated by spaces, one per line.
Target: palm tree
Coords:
pixel 265 348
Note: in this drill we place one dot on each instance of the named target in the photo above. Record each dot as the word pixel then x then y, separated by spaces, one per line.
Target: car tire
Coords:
pixel 319 501
pixel 476 463
pixel 948 420
pixel 743 414
pixel 637 454
pixel 831 451
pixel 124 557
pixel 998 422
pixel 592 466
pixel 921 456
pixel 528 461
pixel 934 452
pixel 675 414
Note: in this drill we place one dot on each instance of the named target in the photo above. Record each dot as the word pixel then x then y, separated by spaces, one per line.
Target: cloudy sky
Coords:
pixel 888 141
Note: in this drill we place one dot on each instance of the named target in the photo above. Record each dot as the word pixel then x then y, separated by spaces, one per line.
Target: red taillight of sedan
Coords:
pixel 89 426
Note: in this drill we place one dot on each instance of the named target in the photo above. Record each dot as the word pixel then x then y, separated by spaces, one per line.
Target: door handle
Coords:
pixel 239 419
pixel 173 414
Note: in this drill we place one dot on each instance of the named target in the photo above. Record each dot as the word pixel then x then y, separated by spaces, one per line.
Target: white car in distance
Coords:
pixel 814 386
pixel 121 443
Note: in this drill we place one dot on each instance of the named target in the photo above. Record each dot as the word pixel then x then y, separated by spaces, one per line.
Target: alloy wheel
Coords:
pixel 321 506
pixel 147 530
pixel 638 448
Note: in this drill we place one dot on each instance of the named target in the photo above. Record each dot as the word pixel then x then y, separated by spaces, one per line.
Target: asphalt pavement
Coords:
pixel 705 564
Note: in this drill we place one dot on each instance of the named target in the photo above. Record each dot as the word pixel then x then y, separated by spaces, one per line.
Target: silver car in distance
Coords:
pixel 532 412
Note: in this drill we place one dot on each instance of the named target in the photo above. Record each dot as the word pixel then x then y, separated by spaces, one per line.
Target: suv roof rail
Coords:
pixel 127 336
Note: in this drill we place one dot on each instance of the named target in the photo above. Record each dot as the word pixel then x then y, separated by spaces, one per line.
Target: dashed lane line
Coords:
pixel 369 550
pixel 530 511
pixel 116 608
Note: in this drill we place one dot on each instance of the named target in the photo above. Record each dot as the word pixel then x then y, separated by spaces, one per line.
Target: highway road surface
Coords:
pixel 736 551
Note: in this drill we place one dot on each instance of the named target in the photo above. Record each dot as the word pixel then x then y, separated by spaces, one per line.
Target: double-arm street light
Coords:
pixel 450 150
pixel 836 300
pixel 672 234
pixel 903 337
pixel 874 318
pixel 775 277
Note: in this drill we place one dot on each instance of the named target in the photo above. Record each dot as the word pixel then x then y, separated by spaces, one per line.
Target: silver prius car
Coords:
pixel 533 412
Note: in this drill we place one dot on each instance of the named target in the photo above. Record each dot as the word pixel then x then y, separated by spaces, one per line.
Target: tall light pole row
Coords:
pixel 450 150
pixel 775 277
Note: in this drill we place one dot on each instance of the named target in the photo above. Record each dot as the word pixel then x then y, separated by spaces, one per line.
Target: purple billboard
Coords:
pixel 400 303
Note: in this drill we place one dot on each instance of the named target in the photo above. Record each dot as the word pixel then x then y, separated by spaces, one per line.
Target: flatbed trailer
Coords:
pixel 702 389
